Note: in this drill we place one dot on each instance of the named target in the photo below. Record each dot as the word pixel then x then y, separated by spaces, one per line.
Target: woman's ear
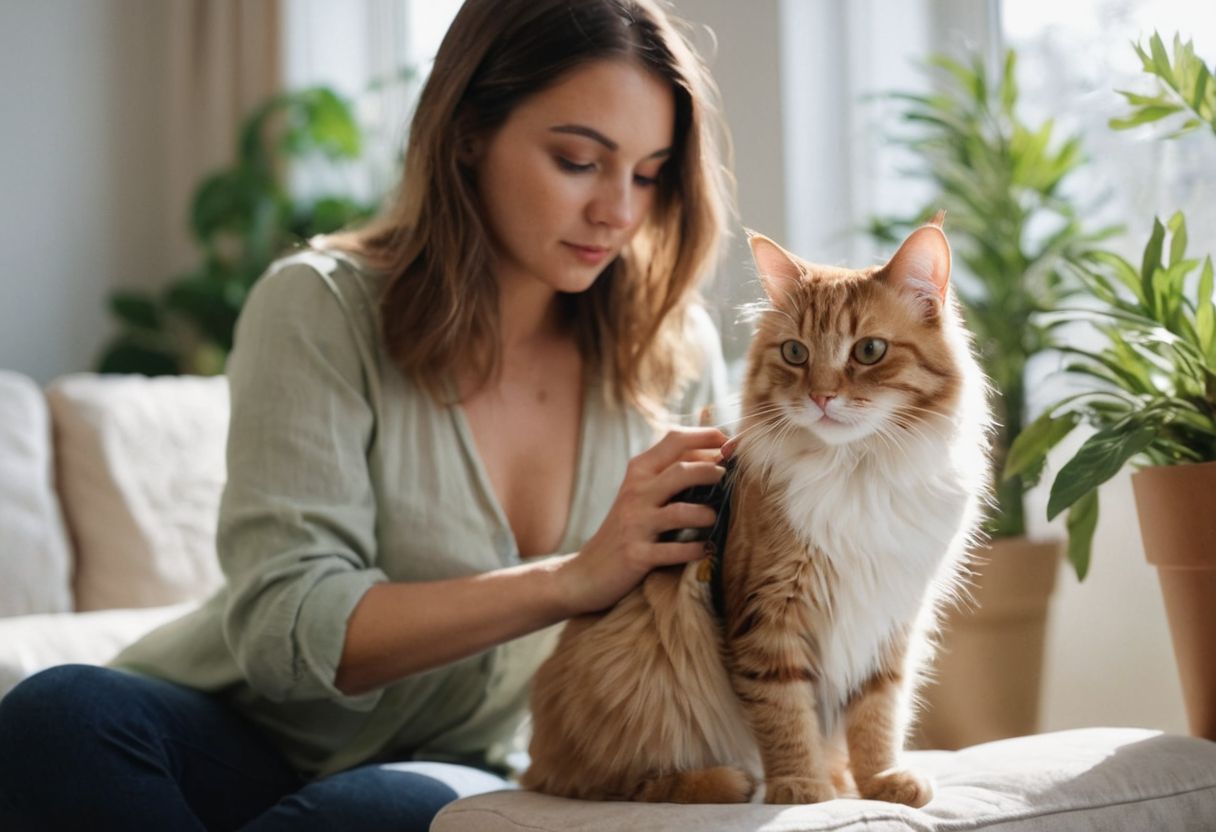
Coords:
pixel 468 151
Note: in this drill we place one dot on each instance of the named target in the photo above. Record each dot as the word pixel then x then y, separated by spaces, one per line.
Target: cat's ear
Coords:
pixel 921 267
pixel 779 271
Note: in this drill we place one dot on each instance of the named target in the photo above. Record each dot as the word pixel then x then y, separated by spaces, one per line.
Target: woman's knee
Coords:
pixel 370 798
pixel 44 693
pixel 59 697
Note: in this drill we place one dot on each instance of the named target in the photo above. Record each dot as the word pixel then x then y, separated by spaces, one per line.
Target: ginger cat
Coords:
pixel 860 470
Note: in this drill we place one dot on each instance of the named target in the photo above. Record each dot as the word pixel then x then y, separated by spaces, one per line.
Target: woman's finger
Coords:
pixel 729 448
pixel 675 444
pixel 681 475
pixel 684 516
pixel 668 554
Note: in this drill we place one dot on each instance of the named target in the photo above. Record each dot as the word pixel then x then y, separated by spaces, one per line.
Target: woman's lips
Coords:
pixel 591 255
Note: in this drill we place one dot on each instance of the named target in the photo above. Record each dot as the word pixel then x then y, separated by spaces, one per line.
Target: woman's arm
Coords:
pixel 398 629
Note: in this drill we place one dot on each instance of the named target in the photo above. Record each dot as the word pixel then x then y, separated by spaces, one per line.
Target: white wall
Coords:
pixel 79 211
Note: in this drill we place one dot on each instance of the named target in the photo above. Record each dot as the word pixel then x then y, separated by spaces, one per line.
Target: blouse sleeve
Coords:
pixel 297 521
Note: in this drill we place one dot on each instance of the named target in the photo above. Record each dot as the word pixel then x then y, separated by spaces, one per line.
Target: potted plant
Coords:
pixel 242 217
pixel 1148 389
pixel 999 180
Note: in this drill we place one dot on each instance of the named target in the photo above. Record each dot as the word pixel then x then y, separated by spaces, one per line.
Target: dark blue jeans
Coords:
pixel 85 747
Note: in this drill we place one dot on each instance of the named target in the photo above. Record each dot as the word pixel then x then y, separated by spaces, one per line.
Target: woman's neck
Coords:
pixel 529 312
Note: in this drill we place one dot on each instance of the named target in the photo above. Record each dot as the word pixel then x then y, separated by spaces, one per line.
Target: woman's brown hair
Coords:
pixel 441 302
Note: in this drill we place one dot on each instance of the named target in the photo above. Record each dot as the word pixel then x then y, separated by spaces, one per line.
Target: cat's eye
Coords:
pixel 869 350
pixel 794 352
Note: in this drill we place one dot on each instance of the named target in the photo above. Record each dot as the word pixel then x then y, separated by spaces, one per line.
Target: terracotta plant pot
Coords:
pixel 1177 509
pixel 987 676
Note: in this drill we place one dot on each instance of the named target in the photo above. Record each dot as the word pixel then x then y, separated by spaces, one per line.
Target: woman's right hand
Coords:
pixel 625 548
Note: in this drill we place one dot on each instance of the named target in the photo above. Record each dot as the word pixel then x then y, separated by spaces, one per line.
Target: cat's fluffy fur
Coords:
pixel 857 496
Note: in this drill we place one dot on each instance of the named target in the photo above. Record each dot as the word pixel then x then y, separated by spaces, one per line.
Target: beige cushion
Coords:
pixel 1092 779
pixel 140 463
pixel 35 562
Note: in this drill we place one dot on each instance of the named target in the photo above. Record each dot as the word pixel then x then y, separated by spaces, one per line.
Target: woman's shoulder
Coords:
pixel 341 273
pixel 315 285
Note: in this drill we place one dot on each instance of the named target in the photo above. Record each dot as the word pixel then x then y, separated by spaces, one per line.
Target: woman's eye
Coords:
pixel 573 167
pixel 869 350
pixel 794 352
pixel 645 181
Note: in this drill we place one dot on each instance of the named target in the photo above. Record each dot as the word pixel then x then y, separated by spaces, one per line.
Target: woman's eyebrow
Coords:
pixel 596 135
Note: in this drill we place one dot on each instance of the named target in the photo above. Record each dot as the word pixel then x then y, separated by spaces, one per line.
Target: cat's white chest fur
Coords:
pixel 888 523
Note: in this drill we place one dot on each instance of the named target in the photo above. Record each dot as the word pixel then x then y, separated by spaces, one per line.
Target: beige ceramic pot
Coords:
pixel 1177 509
pixel 988 671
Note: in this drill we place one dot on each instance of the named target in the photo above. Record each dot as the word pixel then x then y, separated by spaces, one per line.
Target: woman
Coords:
pixel 419 410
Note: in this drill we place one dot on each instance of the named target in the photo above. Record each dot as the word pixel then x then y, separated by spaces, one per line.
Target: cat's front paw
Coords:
pixel 797 790
pixel 900 786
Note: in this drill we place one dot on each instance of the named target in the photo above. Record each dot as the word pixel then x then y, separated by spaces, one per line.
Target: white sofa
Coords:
pixel 109 490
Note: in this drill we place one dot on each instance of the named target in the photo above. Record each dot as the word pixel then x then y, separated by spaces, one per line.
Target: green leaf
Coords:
pixel 1177 226
pixel 1030 447
pixel 1205 319
pixel 1145 115
pixel 1099 459
pixel 211 305
pixel 1123 270
pixel 1009 83
pixel 1161 60
pixel 1082 521
pixel 230 201
pixel 1151 261
pixel 127 354
pixel 136 309
pixel 322 120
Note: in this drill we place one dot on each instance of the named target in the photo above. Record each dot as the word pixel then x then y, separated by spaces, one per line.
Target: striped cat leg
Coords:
pixel 779 701
pixel 874 722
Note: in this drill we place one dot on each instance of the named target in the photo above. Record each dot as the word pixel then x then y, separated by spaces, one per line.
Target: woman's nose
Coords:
pixel 613 205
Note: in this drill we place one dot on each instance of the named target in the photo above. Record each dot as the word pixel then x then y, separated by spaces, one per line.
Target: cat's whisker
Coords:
pixel 763 413
pixel 760 431
pixel 764 416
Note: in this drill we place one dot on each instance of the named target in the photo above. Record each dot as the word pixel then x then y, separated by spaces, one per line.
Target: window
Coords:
pixel 358 47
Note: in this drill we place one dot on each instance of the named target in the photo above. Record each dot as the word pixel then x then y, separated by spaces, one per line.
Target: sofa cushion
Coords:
pixel 1093 779
pixel 31 643
pixel 35 562
pixel 140 465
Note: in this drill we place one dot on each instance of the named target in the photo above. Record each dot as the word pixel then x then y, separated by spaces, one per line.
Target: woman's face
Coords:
pixel 571 175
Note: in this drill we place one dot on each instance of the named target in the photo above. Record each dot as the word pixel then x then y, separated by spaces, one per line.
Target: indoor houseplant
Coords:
pixel 242 217
pixel 1148 389
pixel 1013 233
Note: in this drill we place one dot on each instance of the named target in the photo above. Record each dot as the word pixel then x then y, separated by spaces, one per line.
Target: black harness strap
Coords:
pixel 717 497
pixel 716 543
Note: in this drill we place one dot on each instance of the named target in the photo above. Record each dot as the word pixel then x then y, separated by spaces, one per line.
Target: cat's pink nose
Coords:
pixel 822 399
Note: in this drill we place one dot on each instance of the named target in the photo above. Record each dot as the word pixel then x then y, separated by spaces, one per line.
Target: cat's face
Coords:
pixel 849 354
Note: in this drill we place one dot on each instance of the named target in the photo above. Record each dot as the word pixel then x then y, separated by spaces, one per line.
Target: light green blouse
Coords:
pixel 341 474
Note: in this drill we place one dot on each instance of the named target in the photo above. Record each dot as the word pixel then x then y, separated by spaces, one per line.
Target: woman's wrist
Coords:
pixel 558 588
